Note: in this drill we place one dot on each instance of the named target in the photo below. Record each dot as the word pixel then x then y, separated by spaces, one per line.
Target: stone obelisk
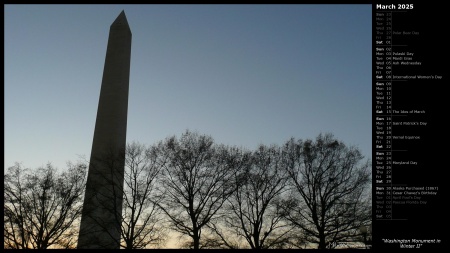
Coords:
pixel 102 209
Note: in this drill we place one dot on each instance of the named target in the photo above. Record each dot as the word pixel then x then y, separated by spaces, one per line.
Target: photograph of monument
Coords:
pixel 202 127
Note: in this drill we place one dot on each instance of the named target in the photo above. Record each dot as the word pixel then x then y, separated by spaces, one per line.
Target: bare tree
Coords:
pixel 42 206
pixel 330 185
pixel 194 182
pixel 142 225
pixel 254 212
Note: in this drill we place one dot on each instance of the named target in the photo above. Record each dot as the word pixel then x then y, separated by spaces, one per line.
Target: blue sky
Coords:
pixel 244 74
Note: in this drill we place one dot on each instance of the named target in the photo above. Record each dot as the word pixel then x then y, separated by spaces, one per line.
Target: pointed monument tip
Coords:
pixel 121 19
pixel 122 15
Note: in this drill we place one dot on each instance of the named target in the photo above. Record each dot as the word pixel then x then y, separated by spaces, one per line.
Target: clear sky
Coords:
pixel 244 74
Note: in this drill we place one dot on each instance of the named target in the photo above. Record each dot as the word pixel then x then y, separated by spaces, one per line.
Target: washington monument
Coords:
pixel 102 208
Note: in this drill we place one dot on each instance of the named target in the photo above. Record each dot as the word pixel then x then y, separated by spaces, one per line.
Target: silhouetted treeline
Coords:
pixel 302 194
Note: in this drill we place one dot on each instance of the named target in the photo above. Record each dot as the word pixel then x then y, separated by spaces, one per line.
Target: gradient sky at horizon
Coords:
pixel 244 74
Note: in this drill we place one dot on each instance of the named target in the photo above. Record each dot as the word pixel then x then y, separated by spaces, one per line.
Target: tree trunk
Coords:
pixel 322 244
pixel 196 239
pixel 256 236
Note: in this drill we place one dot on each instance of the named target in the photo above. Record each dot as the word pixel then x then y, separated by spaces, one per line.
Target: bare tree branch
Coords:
pixel 42 206
pixel 329 189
